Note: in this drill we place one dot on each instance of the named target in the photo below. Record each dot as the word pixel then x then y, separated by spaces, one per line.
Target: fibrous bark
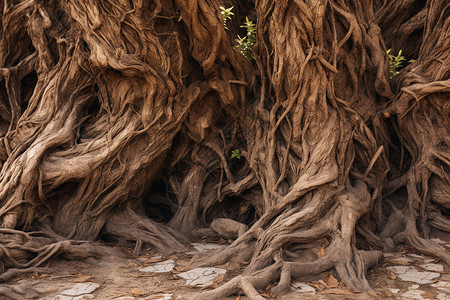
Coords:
pixel 402 24
pixel 317 162
pixel 93 99
pixel 421 110
pixel 111 108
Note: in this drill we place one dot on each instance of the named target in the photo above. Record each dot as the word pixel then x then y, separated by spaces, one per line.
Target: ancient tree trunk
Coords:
pixel 93 96
pixel 317 162
pixel 100 100
pixel 401 23
pixel 421 111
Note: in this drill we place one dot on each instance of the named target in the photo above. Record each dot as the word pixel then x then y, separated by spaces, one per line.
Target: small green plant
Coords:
pixel 226 15
pixel 246 43
pixel 235 154
pixel 395 62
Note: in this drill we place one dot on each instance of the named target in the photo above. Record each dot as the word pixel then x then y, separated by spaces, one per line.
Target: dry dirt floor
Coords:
pixel 403 274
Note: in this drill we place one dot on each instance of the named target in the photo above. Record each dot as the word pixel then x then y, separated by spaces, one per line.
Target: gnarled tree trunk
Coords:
pixel 104 104
pixel 421 110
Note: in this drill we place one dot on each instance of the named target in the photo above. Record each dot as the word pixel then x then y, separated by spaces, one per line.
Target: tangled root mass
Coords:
pixel 112 112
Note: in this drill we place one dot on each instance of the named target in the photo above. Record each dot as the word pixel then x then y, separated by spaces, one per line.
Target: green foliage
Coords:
pixel 235 154
pixel 246 43
pixel 226 14
pixel 395 62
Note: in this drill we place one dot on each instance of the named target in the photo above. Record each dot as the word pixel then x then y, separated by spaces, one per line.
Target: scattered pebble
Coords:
pixel 407 273
pixel 201 277
pixel 442 296
pixel 161 267
pixel 82 297
pixel 302 287
pixel 433 267
pixel 413 294
pixel 394 291
pixel 81 289
pixel 442 285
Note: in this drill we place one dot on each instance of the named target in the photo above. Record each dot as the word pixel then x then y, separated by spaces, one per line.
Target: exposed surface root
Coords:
pixel 313 194
pixel 25 252
pixel 245 283
pixel 130 226
pixel 102 99
pixel 286 234
pixel 96 94
pixel 12 273
pixel 18 292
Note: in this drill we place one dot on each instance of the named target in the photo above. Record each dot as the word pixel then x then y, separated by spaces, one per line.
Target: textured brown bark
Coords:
pixel 317 162
pixel 421 110
pixel 112 109
pixel 402 24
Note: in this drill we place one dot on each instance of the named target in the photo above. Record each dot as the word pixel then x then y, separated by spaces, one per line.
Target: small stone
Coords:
pixel 442 285
pixel 81 289
pixel 303 287
pixel 433 267
pixel 442 296
pixel 161 267
pixel 394 291
pixel 201 277
pixel 407 273
pixel 413 294
pixel 82 297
